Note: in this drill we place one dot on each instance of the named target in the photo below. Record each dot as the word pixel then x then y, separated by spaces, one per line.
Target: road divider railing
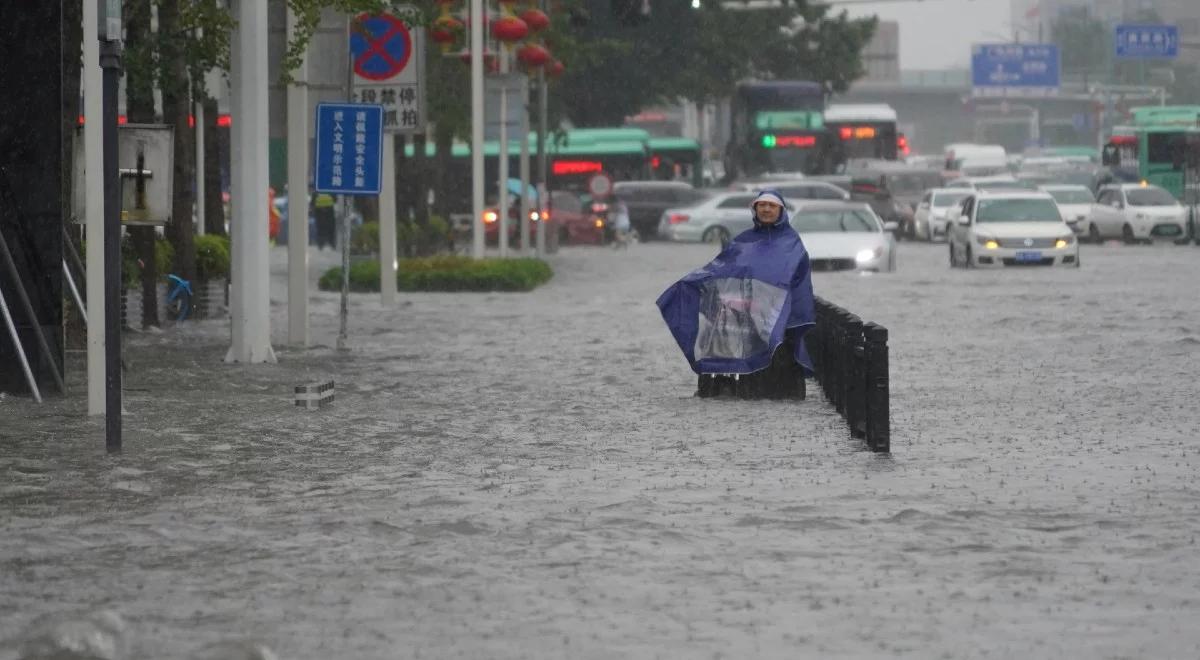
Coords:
pixel 850 359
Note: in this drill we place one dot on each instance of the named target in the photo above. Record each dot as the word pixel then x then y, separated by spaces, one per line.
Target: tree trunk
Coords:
pixel 443 138
pixel 139 108
pixel 214 205
pixel 176 99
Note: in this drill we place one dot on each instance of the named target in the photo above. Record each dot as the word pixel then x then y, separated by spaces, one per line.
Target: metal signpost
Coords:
pixel 349 155
pixel 1137 42
pixel 1015 70
pixel 387 67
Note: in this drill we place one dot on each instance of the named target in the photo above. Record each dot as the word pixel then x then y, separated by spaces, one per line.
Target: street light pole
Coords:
pixel 110 65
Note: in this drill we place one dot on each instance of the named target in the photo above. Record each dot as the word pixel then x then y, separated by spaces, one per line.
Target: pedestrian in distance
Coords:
pixel 323 204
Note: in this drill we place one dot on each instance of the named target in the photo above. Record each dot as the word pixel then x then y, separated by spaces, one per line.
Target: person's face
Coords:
pixel 767 212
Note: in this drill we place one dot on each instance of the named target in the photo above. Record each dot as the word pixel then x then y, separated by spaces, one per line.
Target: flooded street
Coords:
pixel 529 476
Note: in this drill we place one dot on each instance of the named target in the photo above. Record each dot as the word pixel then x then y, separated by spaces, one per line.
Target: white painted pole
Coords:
pixel 297 146
pixel 199 115
pixel 477 128
pixel 94 206
pixel 250 298
pixel 387 223
pixel 523 164
pixel 502 183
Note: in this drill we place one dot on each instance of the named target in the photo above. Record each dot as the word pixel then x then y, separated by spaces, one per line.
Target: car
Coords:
pixel 894 190
pixel 1074 203
pixel 994 182
pixel 844 236
pixel 715 219
pixel 1010 228
pixel 929 220
pixel 1137 212
pixel 646 201
pixel 796 189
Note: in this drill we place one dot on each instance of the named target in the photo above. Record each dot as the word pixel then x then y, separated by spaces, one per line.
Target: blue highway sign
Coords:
pixel 1014 69
pixel 1147 41
pixel 349 153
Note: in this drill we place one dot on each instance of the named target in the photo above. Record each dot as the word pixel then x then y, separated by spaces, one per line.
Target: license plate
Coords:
pixel 1029 256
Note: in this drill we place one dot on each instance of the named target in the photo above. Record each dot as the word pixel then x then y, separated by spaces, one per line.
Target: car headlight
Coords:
pixel 1063 241
pixel 864 256
pixel 987 242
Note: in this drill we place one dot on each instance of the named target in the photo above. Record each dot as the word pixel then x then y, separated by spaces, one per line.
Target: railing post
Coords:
pixel 878 428
pixel 851 374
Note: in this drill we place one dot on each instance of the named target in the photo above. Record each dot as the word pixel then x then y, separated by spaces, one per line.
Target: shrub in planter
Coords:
pixel 446 273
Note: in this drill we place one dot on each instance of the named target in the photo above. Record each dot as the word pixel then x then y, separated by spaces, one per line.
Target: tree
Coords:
pixel 1084 42
pixel 615 69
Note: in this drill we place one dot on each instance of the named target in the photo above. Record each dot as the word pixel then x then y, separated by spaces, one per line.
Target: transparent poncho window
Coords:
pixel 736 317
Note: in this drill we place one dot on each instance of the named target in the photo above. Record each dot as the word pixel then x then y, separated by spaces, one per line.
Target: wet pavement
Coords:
pixel 529 475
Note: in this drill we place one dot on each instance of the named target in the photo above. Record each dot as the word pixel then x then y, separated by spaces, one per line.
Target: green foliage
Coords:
pixel 699 54
pixel 131 269
pixel 1084 42
pixel 212 257
pixel 446 273
pixel 364 238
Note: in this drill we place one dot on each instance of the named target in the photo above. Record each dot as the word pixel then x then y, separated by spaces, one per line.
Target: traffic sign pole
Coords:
pixel 387 223
pixel 503 182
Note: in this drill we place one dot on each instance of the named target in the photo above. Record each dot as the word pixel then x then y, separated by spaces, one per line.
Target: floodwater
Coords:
pixel 529 476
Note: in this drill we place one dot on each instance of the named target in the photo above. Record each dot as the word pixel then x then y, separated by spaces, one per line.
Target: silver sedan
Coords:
pixel 716 219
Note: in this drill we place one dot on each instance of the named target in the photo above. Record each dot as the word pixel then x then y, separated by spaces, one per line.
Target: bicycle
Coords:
pixel 179 297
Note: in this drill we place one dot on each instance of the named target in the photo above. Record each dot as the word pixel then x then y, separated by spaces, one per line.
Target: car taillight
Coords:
pixel 599 207
pixel 490 216
pixel 677 218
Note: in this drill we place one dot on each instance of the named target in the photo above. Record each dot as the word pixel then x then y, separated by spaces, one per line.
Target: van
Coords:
pixel 970 159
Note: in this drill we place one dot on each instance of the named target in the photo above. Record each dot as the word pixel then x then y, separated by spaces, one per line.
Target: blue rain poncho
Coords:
pixel 729 316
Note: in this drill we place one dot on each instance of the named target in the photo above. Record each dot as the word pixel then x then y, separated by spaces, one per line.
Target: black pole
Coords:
pixel 110 63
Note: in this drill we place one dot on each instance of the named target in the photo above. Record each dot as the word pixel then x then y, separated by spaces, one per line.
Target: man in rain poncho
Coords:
pixel 731 315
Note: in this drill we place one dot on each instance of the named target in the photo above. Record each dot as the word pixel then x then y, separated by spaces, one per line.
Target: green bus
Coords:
pixel 1154 147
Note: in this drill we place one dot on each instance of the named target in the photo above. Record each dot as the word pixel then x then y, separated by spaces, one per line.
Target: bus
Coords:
pixel 1154 147
pixel 862 130
pixel 777 126
pixel 676 159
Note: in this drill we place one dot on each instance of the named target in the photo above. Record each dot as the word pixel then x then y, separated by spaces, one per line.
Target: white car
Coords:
pixel 1136 212
pixel 716 219
pixel 845 236
pixel 929 221
pixel 999 229
pixel 993 182
pixel 1074 203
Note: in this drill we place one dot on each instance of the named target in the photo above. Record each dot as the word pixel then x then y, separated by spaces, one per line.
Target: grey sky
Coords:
pixel 937 34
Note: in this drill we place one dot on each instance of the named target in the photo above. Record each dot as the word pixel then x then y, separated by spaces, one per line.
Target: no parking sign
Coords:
pixel 388 61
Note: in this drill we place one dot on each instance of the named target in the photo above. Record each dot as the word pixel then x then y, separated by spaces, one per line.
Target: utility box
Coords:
pixel 146 158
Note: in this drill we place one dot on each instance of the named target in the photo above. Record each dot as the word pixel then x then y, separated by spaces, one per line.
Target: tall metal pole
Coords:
pixel 477 128
pixel 93 142
pixel 502 182
pixel 297 141
pixel 543 166
pixel 110 63
pixel 523 164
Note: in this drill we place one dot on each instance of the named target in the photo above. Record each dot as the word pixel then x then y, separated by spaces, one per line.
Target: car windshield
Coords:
pixel 1149 197
pixel 1017 210
pixel 942 200
pixel 1072 196
pixel 1005 185
pixel 834 221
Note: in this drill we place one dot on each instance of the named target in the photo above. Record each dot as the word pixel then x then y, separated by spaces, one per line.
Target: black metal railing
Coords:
pixel 850 359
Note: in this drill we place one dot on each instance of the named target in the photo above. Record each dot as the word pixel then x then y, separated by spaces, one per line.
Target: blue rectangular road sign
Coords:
pixel 349 158
pixel 1147 42
pixel 1014 69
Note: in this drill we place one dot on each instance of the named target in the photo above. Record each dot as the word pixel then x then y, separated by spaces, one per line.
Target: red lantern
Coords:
pixel 536 19
pixel 533 55
pixel 445 31
pixel 509 29
pixel 555 68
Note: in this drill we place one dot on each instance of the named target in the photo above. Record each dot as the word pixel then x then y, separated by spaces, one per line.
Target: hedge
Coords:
pixel 445 273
